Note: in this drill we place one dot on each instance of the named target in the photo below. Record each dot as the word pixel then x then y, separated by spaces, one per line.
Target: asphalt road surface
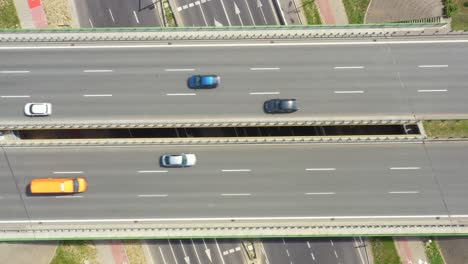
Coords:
pixel 240 181
pixel 105 85
pixel 226 12
pixel 117 13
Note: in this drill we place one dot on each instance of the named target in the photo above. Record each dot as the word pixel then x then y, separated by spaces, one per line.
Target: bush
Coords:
pixel 465 4
pixel 450 8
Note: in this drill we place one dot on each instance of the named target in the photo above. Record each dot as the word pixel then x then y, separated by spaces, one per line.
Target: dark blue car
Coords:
pixel 203 81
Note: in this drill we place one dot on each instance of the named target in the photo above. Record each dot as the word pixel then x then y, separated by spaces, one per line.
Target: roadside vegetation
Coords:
pixel 8 16
pixel 356 10
pixel 75 252
pixel 311 12
pixel 446 129
pixel 170 19
pixel 134 251
pixel 460 15
pixel 57 13
pixel 384 251
pixel 433 252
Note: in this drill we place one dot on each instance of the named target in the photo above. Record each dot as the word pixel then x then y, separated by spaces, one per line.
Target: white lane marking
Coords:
pixel 152 171
pixel 112 16
pixel 14 71
pixel 287 252
pixel 403 192
pixel 67 172
pixel 236 194
pixel 219 251
pixel 97 95
pixel 190 4
pixel 359 247
pixel 331 241
pixel 185 6
pixel 336 254
pixel 405 168
pixel 260 93
pixel 238 170
pixel 265 69
pixel 186 258
pixel 15 96
pixel 195 249
pixel 348 67
pixel 225 252
pixel 308 244
pixel 175 70
pixel 250 12
pixel 91 22
pixel 432 91
pixel 225 12
pixel 238 248
pixel 179 9
pixel 320 169
pixel 172 250
pixel 180 94
pixel 433 66
pixel 312 255
pixel 348 92
pixel 284 242
pixel 203 15
pixel 152 195
pixel 77 196
pixel 231 250
pixel 233 45
pixel 136 17
pixel 320 193
pixel 97 71
pixel 162 255
pixel 264 253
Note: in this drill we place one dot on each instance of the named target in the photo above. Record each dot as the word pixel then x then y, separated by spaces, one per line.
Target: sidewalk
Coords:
pixel 24 253
pixel 111 252
pixel 332 12
pixel 411 250
pixel 31 13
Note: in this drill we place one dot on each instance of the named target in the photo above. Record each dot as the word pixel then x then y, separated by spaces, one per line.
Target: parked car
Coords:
pixel 203 81
pixel 274 106
pixel 178 160
pixel 38 109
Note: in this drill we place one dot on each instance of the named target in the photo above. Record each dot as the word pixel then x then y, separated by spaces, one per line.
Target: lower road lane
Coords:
pixel 241 181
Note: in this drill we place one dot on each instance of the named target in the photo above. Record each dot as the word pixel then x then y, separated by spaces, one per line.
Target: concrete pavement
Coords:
pixel 411 250
pixel 332 12
pixel 31 14
pixel 26 253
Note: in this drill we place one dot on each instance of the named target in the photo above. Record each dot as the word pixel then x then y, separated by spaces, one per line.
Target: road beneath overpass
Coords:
pixel 412 179
pixel 113 84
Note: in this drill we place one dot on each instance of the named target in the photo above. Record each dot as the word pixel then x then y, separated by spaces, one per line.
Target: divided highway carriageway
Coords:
pixel 146 83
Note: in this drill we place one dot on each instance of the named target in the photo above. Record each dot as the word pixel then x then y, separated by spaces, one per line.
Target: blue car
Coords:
pixel 203 81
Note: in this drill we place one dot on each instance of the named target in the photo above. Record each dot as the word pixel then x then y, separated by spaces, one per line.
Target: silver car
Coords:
pixel 38 109
pixel 178 160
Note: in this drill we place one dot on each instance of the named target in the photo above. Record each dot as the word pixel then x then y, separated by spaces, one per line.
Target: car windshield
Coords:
pixel 184 159
pixel 197 80
pixel 75 185
pixel 167 159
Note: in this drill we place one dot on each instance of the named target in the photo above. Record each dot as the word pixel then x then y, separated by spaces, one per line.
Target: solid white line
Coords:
pixel 432 91
pixel 98 70
pixel 336 255
pixel 225 12
pixel 172 250
pixel 257 93
pixel 130 220
pixel 219 251
pixel 67 172
pixel 91 22
pixel 15 96
pixel 112 16
pixel 308 244
pixel 152 171
pixel 239 170
pixel 320 169
pixel 320 193
pixel 152 195
pixel 403 192
pixel 175 70
pixel 234 45
pixel 196 252
pixel 97 95
pixel 136 17
pixel 176 94
pixel 69 196
pixel 357 246
pixel 236 194
pixel 265 69
pixel 348 92
pixel 162 255
pixel 405 168
pixel 14 71
pixel 432 66
pixel 348 67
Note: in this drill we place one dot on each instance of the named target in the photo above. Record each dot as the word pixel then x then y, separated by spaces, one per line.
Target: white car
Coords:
pixel 178 160
pixel 38 109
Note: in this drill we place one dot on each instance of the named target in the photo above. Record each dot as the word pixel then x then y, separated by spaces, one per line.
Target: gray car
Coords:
pixel 279 106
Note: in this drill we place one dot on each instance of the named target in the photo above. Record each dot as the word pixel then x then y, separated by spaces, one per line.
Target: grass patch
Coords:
pixel 8 16
pixel 169 15
pixel 356 10
pixel 460 18
pixel 57 13
pixel 311 12
pixel 384 250
pixel 433 252
pixel 446 129
pixel 134 251
pixel 75 252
